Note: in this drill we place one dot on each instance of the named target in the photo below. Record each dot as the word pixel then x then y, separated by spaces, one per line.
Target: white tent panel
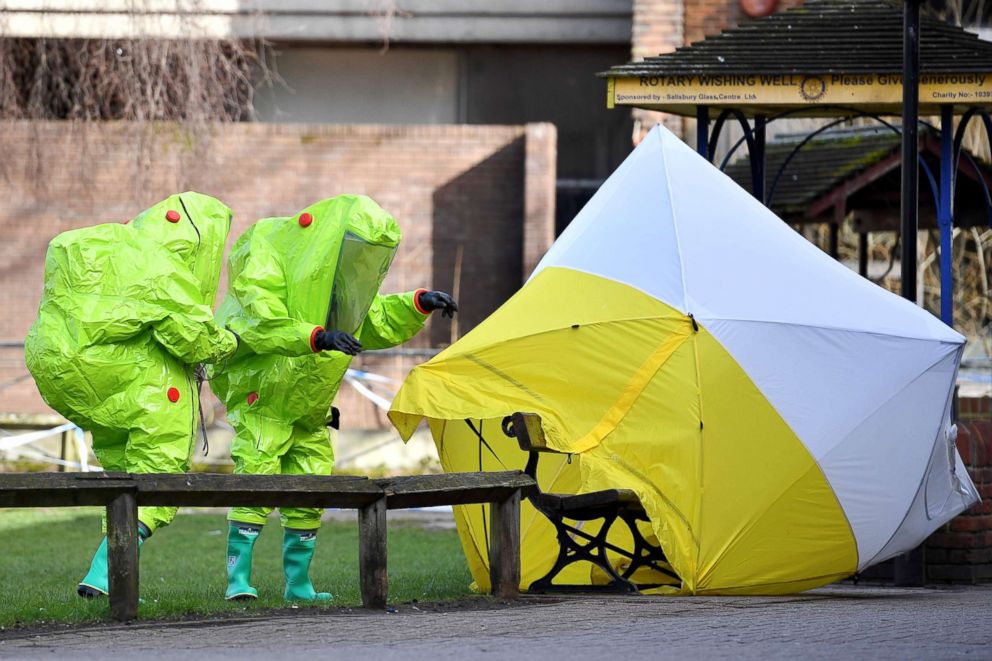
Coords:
pixel 919 523
pixel 625 231
pixel 878 467
pixel 825 382
pixel 740 261
pixel 945 492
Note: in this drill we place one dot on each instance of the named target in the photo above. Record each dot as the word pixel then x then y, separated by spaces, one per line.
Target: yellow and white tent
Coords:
pixel 784 421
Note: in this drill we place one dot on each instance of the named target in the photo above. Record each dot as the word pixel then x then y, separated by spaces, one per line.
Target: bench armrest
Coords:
pixel 527 429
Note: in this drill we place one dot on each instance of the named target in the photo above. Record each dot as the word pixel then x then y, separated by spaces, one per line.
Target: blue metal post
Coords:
pixel 758 159
pixel 945 213
pixel 703 131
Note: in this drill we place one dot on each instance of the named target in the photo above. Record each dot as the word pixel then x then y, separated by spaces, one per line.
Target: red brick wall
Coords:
pixel 962 550
pixel 539 200
pixel 657 28
pixel 448 186
pixel 705 18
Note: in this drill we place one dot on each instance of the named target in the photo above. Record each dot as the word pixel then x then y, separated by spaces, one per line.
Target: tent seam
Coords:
pixel 675 224
pixel 695 348
pixel 844 329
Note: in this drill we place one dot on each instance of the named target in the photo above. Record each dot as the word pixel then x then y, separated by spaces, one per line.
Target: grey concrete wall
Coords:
pixel 482 84
pixel 362 86
pixel 399 21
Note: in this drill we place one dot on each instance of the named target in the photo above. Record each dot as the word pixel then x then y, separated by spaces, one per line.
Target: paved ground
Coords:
pixel 836 622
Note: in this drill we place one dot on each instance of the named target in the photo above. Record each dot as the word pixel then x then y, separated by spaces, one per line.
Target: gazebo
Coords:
pixel 855 173
pixel 833 59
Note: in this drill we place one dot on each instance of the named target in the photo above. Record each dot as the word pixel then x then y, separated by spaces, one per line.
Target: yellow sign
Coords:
pixel 795 89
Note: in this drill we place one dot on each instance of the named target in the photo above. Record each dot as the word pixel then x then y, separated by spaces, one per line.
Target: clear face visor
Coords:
pixel 361 268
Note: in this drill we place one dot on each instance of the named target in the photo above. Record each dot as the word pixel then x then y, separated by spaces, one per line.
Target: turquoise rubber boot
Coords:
pixel 240 542
pixel 297 552
pixel 96 583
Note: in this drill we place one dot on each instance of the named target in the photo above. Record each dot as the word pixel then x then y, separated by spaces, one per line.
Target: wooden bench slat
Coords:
pixel 22 481
pixel 453 488
pixel 215 490
pixel 61 498
pixel 60 489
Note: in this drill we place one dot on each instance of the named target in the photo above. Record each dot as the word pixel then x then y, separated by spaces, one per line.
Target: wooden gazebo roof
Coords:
pixel 859 169
pixel 823 53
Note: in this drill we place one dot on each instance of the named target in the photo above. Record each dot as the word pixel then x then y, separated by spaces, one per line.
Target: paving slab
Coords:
pixel 842 621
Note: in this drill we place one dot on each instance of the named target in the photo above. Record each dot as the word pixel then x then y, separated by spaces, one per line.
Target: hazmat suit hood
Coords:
pixel 194 228
pixel 351 248
pixel 348 239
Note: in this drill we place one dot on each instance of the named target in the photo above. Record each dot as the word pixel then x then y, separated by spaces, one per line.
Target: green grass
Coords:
pixel 44 553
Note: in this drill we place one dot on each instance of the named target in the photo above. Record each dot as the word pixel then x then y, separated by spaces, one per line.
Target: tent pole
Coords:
pixel 909 570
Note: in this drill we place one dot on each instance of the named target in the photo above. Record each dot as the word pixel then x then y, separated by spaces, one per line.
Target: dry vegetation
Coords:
pixel 191 81
pixel 972 257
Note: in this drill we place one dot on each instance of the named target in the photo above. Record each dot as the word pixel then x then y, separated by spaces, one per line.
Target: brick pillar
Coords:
pixel 961 551
pixel 706 18
pixel 540 158
pixel 657 29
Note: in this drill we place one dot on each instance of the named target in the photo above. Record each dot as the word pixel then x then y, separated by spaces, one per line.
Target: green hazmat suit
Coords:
pixel 125 316
pixel 289 277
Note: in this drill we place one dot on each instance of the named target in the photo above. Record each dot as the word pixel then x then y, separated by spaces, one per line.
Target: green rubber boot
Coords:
pixel 96 583
pixel 297 552
pixel 240 541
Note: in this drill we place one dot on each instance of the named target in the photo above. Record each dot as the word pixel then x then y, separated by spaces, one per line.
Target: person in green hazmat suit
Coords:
pixel 125 317
pixel 303 298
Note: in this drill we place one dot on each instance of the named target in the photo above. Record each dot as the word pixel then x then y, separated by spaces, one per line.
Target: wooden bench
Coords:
pixel 574 544
pixel 122 493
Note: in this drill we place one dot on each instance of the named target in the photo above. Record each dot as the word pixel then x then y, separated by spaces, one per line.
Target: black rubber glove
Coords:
pixel 438 300
pixel 336 341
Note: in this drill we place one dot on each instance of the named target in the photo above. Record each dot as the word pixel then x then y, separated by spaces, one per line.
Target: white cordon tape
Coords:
pixel 14 445
pixel 361 382
pixel 10 442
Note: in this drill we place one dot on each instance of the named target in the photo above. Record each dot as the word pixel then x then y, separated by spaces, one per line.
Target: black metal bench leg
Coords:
pixel 570 551
pixel 645 553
